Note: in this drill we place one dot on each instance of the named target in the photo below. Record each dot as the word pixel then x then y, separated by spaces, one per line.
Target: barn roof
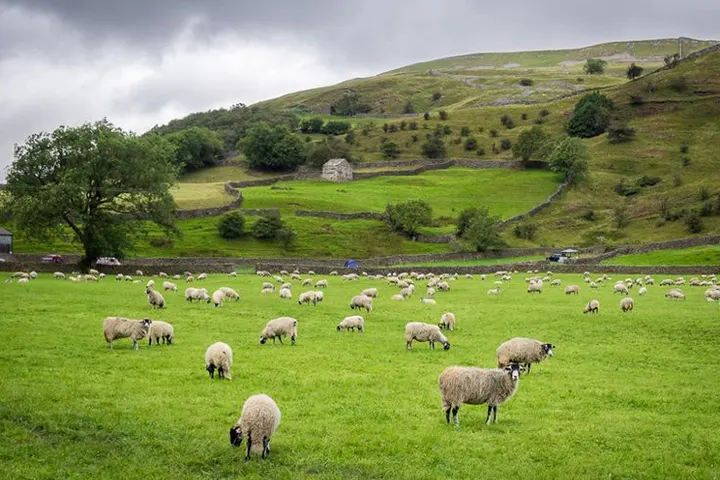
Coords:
pixel 336 162
pixel 4 232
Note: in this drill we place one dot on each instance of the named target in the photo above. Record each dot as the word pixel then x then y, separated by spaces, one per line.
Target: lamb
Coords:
pixel 494 291
pixel 307 297
pixel 160 330
pixel 427 301
pixel 524 351
pixel 447 321
pixel 218 357
pixel 259 419
pixel 476 386
pixel 570 289
pixel 217 297
pixel 279 328
pixel 425 332
pixel 117 327
pixel 321 284
pixel 675 295
pixel 627 304
pixel 362 301
pixel 370 292
pixel 593 306
pixel 155 299
pixel 642 291
pixel 397 297
pixel 351 323
pixel 230 294
pixel 169 286
pixel 285 293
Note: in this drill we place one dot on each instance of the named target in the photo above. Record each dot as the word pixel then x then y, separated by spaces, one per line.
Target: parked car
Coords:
pixel 112 261
pixel 52 259
pixel 558 257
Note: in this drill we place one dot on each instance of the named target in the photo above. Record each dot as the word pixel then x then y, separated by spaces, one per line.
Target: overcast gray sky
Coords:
pixel 142 62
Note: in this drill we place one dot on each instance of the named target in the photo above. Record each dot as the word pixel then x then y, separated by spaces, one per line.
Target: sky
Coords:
pixel 144 62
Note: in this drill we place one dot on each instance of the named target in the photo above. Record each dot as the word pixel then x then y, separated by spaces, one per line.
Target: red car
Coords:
pixel 52 259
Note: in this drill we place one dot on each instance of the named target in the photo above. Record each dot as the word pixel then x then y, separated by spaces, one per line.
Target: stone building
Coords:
pixel 337 170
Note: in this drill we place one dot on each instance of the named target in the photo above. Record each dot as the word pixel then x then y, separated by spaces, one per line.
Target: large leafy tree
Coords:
pixel 478 228
pixel 196 147
pixel 94 180
pixel 272 147
pixel 408 217
pixel 529 143
pixel 569 157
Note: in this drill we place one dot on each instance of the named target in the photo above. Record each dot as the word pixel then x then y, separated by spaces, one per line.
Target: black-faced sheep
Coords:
pixel 351 323
pixel 219 356
pixel 115 328
pixel 425 332
pixel 524 351
pixel 258 421
pixel 279 328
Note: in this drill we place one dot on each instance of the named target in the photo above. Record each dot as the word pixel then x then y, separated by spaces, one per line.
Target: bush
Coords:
pixel 232 225
pixel 636 100
pixel 505 144
pixel 426 116
pixel 335 127
pixel 589 215
pixel 389 150
pixel 481 152
pixel 626 189
pixel 320 152
pixel 693 222
pixel 443 115
pixel 544 112
pixel 678 84
pixel 471 144
pixel 465 131
pixel 434 147
pixel 414 138
pixel 507 121
pixel 590 117
pixel 646 181
pixel 385 127
pixel 526 231
pixel 594 66
pixel 523 116
pixel 312 125
pixel 392 128
pixel 408 108
pixel 569 156
pixel 408 217
pixel 620 132
pixel 493 133
pixel 707 209
pixel 704 193
pixel 403 125
pixel 684 148
pixel 413 125
pixel 685 161
pixel 621 216
pixel 633 71
pixel 272 147
pixel 479 229
pixel 350 138
pixel 436 96
pixel 267 228
pixel 529 142
pixel 349 105
pixel 677 180
pixel 287 236
pixel 446 130
pixel 526 82
pixel 161 242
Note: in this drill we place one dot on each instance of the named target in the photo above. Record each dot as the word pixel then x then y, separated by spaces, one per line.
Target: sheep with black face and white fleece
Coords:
pixel 230 294
pixel 269 286
pixel 524 351
pixel 170 286
pixel 321 284
pixel 627 304
pixel 258 421
pixel 307 297
pixel 278 328
pixel 351 323
pixel 592 307
pixel 425 332
pixel 218 297
pixel 370 292
pixel 477 386
pixel 218 356
pixel 115 328
pixel 359 302
pixel 447 321
pixel 675 295
pixel 199 294
pixel 160 330
pixel 285 294
pixel 155 299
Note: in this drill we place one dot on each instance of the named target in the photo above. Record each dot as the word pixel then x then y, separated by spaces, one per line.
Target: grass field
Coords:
pixel 470 263
pixel 626 395
pixel 709 255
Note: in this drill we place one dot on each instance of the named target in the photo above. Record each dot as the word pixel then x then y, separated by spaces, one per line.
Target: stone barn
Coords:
pixel 337 170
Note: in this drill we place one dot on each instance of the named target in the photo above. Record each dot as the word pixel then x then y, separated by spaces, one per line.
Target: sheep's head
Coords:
pixel 514 370
pixel 148 290
pixel 548 348
pixel 146 322
pixel 446 346
pixel 263 339
pixel 236 436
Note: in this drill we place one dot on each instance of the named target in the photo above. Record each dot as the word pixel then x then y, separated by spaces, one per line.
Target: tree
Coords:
pixel 591 116
pixel 232 225
pixel 318 153
pixel 272 147
pixel 408 217
pixel 529 143
pixel 196 147
pixel 312 125
pixel 480 229
pixel 569 157
pixel 409 108
pixel 335 127
pixel 94 179
pixel 389 150
pixel 463 220
pixel 443 114
pixel 267 227
pixel 434 147
pixel 634 71
pixel 349 105
pixel 471 144
pixel 595 66
pixel 426 116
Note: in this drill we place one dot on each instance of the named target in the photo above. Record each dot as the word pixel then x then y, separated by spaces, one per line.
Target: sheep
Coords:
pixel 23 281
pixel 362 301
pixel 447 321
pixel 430 292
pixel 675 295
pixel 370 292
pixel 319 296
pixel 266 291
pixel 155 299
pixel 627 304
pixel 285 293
pixel 160 330
pixel 189 279
pixel 101 276
pixel 230 294
pixel 176 277
pixel 534 287
pixel 232 274
pixel 666 281
pixel 268 285
pixel 312 272
pixel 397 297
pixel 524 351
pixel 649 281
pixel 351 323
pixel 477 386
pixel 427 301
pixel 593 306
pixel 712 294
pixel 20 275
pixel 443 287
pixel 425 332
pixel 621 288
pixel 163 275
pixel 217 297
pixel 642 291
pixel 150 284
pixel 199 294
pixel 494 291
pixel 406 292
pixel 307 297
pixel 295 277
pixel 333 273
pixel 115 328
pixel 570 289
pixel 555 283
pixel 218 356
pixel 286 285
pixel 119 277
pixel 89 278
pixel 259 419
pixel 92 271
pixel 169 286
pixel 202 276
pixel 321 284
pixel 307 282
pixel 138 273
pixel 59 275
pixel 278 328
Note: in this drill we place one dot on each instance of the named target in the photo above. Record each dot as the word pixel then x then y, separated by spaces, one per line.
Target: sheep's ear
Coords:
pixel 508 368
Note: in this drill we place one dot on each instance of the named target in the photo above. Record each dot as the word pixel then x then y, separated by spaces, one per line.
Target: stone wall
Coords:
pixel 538 208
pixel 341 216
pixel 211 212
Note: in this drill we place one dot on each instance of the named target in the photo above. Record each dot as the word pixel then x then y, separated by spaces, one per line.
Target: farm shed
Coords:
pixel 337 170
pixel 6 241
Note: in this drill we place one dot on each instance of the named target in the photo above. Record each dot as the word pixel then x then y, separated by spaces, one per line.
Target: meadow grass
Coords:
pixel 708 255
pixel 470 263
pixel 626 395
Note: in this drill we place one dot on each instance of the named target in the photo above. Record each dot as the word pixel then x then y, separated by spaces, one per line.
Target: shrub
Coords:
pixel 693 222
pixel 408 217
pixel 436 96
pixel 539 121
pixel 580 79
pixel 335 127
pixel 481 129
pixel 590 117
pixel 646 181
pixel 403 125
pixel 481 152
pixel 312 125
pixel 569 156
pixel 523 116
pixel 267 228
pixel 707 208
pixel 232 225
pixel 446 130
pixel 589 215
pixel 507 121
pixel 320 152
pixel 626 189
pixel 308 139
pixel 385 127
pixel 620 132
pixel 594 66
pixel 409 108
pixel 434 147
pixel 633 71
pixel 704 193
pixel 529 142
pixel 414 138
pixel 505 144
pixel 389 150
pixel 465 131
pixel 161 242
pixel 526 230
pixel 621 216
pixel 678 84
pixel 684 148
pixel 636 100
pixel 544 112
pixel 471 144
pixel 272 147
pixel 685 161
pixel 392 128
pixel 671 60
pixel 367 127
pixel 526 82
pixel 349 105
pixel 413 125
pixel 457 141
pixel 287 236
pixel 493 133
pixel 443 114
pixel 479 229
pixel 426 116
pixel 677 180
pixel 350 138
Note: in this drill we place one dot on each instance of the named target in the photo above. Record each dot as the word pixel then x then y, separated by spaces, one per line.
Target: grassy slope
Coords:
pixel 689 256
pixel 612 402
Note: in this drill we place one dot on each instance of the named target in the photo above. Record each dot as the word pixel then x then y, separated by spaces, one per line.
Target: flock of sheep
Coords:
pixel 260 415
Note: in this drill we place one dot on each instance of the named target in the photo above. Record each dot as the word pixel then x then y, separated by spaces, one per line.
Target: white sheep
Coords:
pixel 160 330
pixel 425 332
pixel 218 356
pixel 627 304
pixel 307 282
pixel 285 293
pixel 593 306
pixel 258 421
pixel 351 323
pixel 427 301
pixel 230 294
pixel 119 277
pixel 59 275
pixel 169 286
pixel 92 271
pixel 443 287
pixel 163 275
pixel 447 321
pixel 138 273
pixel 307 297
pixel 397 297
pixel 202 276
pixel 430 292
pixel 524 351
pixel 370 292
pixel 155 299
pixel 199 294
pixel 319 296
pixel 279 328
pixel 217 297
pixel 476 386
pixel 494 291
pixel 150 284
pixel 362 301
pixel 267 291
pixel 268 285
pixel 115 328
pixel 232 274
pixel 321 284
pixel 642 291
pixel 534 287
pixel 621 288
pixel 570 289
pixel 675 295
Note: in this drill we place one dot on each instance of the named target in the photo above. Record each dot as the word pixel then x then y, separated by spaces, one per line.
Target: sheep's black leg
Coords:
pixel 292 339
pixel 221 373
pixel 487 420
pixel 455 415
pixel 409 345
pixel 432 345
pixel 150 342
pixel 447 415
pixel 495 414
pixel 266 447
pixel 279 338
pixel 249 445
pixel 528 365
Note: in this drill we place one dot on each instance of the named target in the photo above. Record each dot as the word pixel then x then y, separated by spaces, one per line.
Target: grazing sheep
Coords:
pixel 627 304
pixel 370 292
pixel 176 277
pixel 407 292
pixel 427 301
pixel 321 284
pixel 447 321
pixel 333 273
pixel 258 421
pixel 307 297
pixel 524 351
pixel 425 332
pixel 217 297
pixel 89 278
pixel 675 295
pixel 128 278
pixel 189 279
pixel 23 281
pixel 233 273
pixel 119 277
pixel 570 289
pixel 361 301
pixel 266 291
pixel 307 282
pixel 218 356
pixel 169 286
pixel 59 275
pixel 115 328
pixel 593 306
pixel 150 284
pixel 155 299
pixel 555 283
pixel 477 386
pixel 279 328
pixel 199 294
pixel 443 287
pixel 397 297
pixel 230 294
pixel 285 293
pixel 163 275
pixel 667 281
pixel 621 288
pixel 202 276
pixel 319 296
pixel 268 285
pixel 642 291
pixel 92 271
pixel 286 285
pixel 430 292
pixel 138 273
pixel 494 291
pixel 160 330
pixel 295 277
pixel 712 294
pixel 312 272
pixel 593 285
pixel 534 287
pixel 351 323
